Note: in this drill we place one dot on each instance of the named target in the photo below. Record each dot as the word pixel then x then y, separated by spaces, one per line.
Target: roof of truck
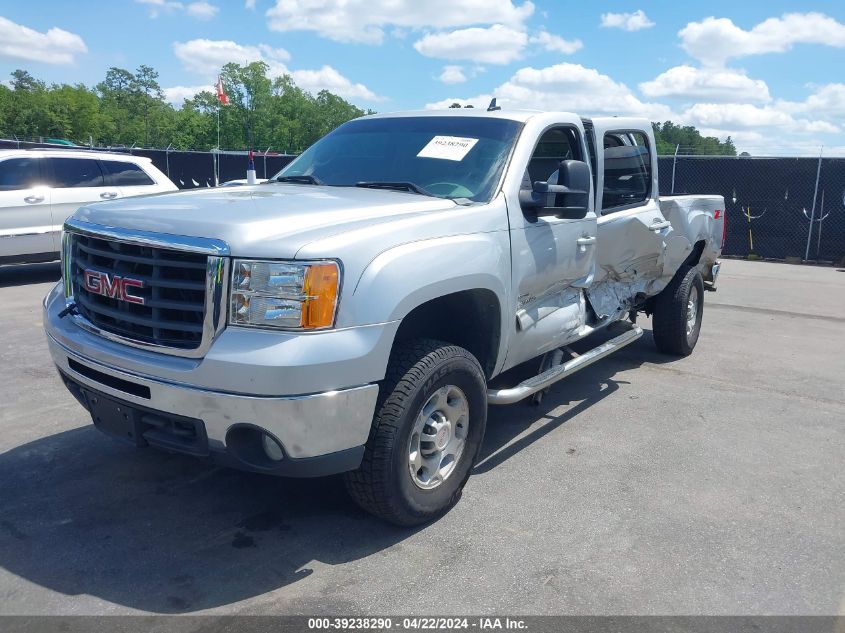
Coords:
pixel 514 115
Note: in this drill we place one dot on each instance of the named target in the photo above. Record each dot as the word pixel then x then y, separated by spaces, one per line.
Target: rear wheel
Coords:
pixel 677 313
pixel 426 433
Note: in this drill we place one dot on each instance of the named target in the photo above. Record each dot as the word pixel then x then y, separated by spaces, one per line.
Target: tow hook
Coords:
pixel 70 309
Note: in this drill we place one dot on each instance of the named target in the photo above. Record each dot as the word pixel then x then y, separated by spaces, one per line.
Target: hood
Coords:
pixel 269 220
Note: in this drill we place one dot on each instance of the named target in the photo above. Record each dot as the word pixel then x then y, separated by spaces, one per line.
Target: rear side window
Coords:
pixel 76 172
pixel 18 173
pixel 121 174
pixel 627 170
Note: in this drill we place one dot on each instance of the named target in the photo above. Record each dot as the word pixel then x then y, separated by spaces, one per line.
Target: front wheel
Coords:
pixel 677 313
pixel 426 434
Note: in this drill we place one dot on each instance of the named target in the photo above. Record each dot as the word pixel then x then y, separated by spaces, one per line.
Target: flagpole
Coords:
pixel 217 156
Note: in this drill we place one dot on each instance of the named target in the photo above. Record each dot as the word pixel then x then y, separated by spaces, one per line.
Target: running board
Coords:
pixel 550 376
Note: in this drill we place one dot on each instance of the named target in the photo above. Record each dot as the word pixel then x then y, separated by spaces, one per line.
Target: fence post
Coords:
pixel 266 151
pixel 674 161
pixel 822 216
pixel 167 158
pixel 813 211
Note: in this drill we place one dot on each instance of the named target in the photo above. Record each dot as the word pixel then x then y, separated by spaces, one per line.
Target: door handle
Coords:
pixel 108 195
pixel 33 199
pixel 659 226
pixel 584 242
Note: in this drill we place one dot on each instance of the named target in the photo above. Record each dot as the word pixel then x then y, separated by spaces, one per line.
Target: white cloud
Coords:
pixel 249 4
pixel 497 44
pixel 365 20
pixel 828 100
pixel 708 84
pixel 567 87
pixel 205 58
pixel 201 9
pixel 739 117
pixel 157 7
pixel 715 40
pixel 814 127
pixel 56 46
pixel 736 115
pixel 626 21
pixel 176 95
pixel 327 78
pixel 452 75
pixel 556 43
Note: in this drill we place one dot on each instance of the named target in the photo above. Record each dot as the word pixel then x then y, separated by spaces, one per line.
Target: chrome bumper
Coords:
pixel 307 426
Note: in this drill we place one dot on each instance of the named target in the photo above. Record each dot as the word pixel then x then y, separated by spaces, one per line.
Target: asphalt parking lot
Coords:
pixel 713 484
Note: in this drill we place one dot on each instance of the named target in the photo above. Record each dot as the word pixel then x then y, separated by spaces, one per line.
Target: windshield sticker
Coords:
pixel 448 147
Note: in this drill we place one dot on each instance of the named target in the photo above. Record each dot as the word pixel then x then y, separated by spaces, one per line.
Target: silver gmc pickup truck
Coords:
pixel 349 315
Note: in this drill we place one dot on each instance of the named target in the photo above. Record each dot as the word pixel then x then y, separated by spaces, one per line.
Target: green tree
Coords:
pixel 689 140
pixel 149 96
pixel 129 108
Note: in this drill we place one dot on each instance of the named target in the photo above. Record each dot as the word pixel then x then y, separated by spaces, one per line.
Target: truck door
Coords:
pixel 632 231
pixel 553 256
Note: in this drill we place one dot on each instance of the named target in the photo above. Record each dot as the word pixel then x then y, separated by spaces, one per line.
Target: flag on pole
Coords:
pixel 250 169
pixel 222 97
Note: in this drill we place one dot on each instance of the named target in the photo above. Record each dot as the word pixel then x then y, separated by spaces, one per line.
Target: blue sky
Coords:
pixel 769 73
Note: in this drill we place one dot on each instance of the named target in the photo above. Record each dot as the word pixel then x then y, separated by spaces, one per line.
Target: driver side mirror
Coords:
pixel 569 197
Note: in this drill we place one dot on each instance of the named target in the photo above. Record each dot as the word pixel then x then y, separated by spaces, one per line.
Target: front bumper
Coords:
pixel 320 431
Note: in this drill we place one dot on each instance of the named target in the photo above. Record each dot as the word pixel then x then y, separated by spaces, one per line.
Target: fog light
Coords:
pixel 271 448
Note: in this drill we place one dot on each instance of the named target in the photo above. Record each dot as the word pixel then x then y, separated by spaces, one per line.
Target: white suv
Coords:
pixel 40 188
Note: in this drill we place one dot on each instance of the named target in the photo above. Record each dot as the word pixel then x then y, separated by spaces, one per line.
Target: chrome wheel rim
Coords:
pixel 438 438
pixel 692 310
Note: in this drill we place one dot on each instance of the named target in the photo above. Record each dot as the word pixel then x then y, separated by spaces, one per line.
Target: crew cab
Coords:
pixel 351 315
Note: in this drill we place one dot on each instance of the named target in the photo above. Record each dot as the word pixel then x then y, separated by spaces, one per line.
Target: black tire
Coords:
pixel 669 324
pixel 383 484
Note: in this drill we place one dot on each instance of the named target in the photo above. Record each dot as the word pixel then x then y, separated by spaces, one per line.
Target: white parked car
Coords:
pixel 40 188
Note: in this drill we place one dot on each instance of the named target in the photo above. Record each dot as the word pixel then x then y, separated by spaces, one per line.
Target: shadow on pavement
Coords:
pixel 22 274
pixel 585 388
pixel 82 514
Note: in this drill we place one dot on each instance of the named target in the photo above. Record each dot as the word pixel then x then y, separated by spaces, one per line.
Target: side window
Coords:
pixel 627 170
pixel 554 146
pixel 124 174
pixel 18 173
pixel 75 172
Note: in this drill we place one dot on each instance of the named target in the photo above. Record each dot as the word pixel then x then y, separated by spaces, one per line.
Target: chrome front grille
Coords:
pixel 157 292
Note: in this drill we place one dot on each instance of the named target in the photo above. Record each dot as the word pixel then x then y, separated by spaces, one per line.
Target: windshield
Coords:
pixel 448 157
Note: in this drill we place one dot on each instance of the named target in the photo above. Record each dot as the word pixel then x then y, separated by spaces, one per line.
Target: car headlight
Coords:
pixel 287 295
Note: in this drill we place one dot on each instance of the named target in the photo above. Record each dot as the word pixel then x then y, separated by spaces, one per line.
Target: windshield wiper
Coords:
pixel 303 179
pixel 395 185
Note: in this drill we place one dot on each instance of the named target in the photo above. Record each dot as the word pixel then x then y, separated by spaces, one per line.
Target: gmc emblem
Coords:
pixel 114 286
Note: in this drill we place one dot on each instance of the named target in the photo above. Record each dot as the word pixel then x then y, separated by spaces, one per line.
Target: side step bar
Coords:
pixel 550 376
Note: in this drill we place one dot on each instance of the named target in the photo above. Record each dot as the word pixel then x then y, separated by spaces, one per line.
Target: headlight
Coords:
pixel 288 295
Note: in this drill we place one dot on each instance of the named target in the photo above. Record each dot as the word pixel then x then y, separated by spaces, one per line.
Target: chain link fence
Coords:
pixel 187 169
pixel 777 208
